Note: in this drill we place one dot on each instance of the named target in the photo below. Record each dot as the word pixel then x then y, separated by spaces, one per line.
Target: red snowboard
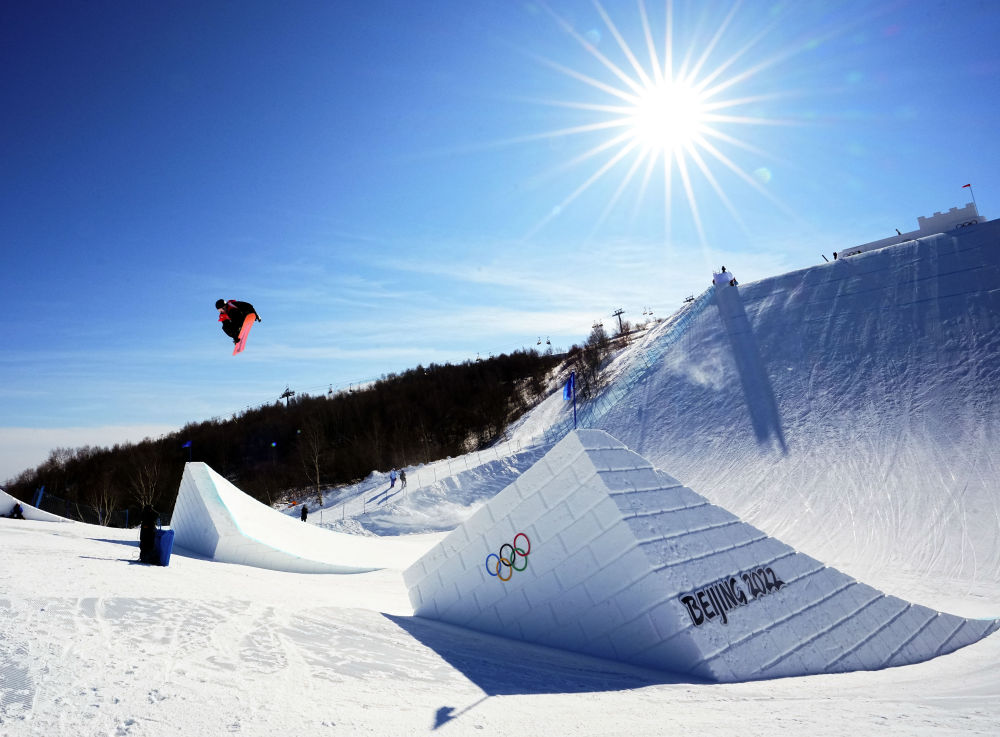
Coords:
pixel 244 332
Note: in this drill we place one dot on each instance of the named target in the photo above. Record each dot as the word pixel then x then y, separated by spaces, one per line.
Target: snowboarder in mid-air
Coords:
pixel 233 314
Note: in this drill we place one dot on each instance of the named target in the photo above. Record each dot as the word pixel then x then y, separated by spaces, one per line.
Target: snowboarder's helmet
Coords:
pixel 219 304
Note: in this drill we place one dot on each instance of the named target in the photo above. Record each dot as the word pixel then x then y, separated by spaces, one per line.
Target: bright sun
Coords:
pixel 672 111
pixel 668 116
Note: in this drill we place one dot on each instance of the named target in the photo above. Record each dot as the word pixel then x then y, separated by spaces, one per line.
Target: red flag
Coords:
pixel 966 185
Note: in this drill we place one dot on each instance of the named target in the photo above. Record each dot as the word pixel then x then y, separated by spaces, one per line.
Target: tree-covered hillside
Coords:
pixel 423 414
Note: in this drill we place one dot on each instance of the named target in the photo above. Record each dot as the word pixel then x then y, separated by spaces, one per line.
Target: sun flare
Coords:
pixel 676 111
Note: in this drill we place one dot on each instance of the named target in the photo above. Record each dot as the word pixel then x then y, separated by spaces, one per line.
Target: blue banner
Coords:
pixel 570 389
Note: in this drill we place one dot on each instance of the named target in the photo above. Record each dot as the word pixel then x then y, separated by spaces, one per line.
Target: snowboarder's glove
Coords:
pixel 258 317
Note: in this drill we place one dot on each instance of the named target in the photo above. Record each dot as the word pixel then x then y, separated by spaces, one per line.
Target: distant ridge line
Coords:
pixel 620 388
pixel 588 415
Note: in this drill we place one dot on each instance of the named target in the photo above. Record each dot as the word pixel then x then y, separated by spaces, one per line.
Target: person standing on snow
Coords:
pixel 147 534
pixel 232 314
pixel 305 512
pixel 402 478
pixel 392 478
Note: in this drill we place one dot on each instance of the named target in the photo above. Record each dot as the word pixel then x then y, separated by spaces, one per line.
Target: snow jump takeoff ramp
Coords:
pixel 215 519
pixel 7 503
pixel 593 550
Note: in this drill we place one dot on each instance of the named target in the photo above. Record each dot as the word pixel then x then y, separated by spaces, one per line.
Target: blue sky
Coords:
pixel 394 184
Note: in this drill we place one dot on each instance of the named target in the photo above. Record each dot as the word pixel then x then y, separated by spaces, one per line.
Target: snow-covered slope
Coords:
pixel 869 442
pixel 851 409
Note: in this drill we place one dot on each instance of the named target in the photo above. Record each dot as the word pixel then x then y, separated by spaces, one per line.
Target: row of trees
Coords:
pixel 278 450
pixel 402 419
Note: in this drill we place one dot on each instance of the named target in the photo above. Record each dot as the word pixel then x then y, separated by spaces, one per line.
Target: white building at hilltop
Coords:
pixel 939 222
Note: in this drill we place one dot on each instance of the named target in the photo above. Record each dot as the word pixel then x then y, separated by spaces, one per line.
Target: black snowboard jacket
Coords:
pixel 234 315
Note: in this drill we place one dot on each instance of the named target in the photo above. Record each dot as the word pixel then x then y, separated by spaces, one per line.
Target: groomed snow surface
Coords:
pixel 850 410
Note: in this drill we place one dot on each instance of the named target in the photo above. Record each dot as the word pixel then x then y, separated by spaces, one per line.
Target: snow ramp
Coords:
pixel 850 408
pixel 7 503
pixel 215 519
pixel 594 550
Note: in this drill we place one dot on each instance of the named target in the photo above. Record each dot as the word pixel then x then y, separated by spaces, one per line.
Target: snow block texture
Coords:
pixel 604 554
pixel 215 519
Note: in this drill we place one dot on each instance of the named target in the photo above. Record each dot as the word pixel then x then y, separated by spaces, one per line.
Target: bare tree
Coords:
pixel 105 499
pixel 312 451
pixel 144 476
pixel 589 360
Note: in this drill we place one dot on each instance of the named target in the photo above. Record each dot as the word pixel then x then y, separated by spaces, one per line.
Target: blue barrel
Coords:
pixel 164 546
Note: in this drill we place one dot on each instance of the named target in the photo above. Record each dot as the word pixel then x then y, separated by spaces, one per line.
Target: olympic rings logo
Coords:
pixel 510 559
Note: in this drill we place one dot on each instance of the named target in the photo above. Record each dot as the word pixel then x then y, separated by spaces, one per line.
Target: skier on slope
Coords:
pixel 232 314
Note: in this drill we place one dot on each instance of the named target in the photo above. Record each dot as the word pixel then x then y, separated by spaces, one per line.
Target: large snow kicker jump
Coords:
pixel 215 519
pixel 594 550
pixel 7 503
